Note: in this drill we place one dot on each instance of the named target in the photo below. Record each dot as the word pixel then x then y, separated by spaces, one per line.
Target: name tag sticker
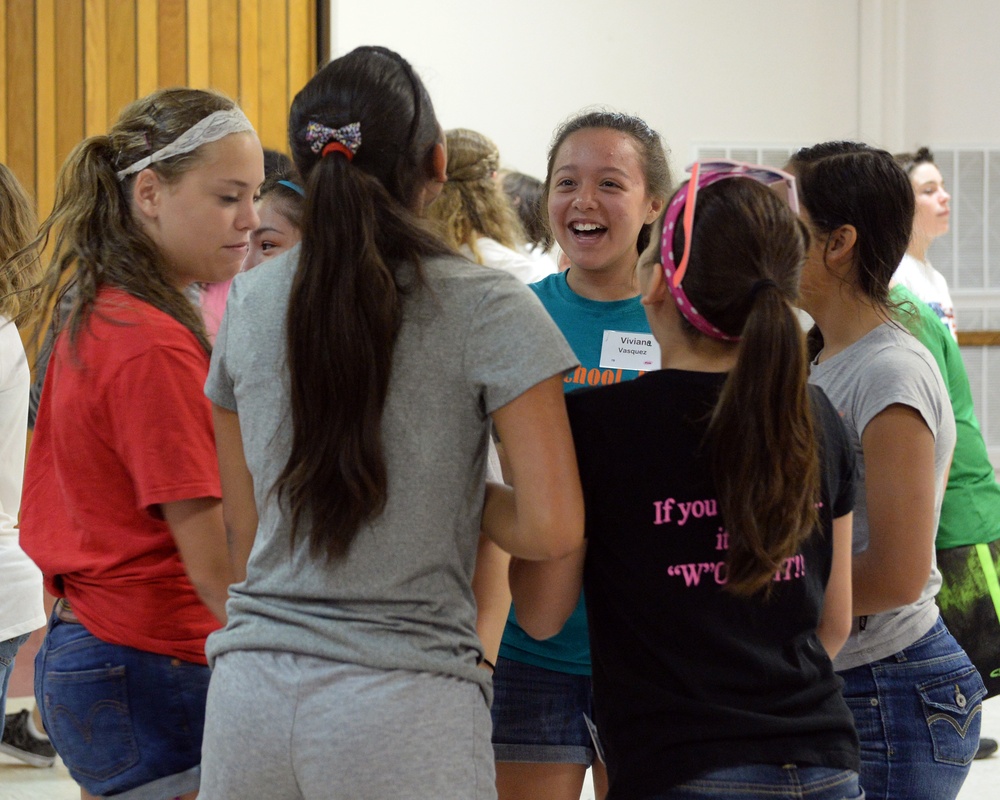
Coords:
pixel 638 351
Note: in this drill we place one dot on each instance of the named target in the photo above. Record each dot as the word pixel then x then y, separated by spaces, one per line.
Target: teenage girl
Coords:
pixel 122 507
pixel 915 695
pixel 968 534
pixel 354 381
pixel 280 212
pixel 607 181
pixel 969 530
pixel 21 609
pixel 474 214
pixel 718 494
pixel 932 214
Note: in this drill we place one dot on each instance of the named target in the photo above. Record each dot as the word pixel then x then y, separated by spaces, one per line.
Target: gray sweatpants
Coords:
pixel 281 726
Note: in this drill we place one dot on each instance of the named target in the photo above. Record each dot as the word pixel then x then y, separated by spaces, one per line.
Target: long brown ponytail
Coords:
pixel 361 250
pixel 746 257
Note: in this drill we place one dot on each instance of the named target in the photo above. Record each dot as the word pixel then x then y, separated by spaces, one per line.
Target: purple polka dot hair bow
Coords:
pixel 323 139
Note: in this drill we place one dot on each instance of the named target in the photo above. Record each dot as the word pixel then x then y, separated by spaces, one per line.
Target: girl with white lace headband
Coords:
pixel 122 505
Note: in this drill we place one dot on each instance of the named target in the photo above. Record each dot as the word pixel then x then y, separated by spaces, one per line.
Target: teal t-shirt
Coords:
pixel 970 513
pixel 582 322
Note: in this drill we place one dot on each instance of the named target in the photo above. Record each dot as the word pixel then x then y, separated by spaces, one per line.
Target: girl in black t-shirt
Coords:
pixel 719 496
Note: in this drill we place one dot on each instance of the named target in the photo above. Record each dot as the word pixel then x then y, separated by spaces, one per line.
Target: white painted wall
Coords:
pixel 892 72
pixel 696 71
pixel 952 66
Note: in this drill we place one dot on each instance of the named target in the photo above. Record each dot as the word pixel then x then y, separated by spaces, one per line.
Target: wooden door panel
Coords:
pixel 68 67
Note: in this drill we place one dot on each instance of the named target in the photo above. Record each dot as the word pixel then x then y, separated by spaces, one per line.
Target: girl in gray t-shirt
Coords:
pixel 354 382
pixel 914 693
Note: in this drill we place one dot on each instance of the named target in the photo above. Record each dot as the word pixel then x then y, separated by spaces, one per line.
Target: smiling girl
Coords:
pixel 607 181
pixel 122 505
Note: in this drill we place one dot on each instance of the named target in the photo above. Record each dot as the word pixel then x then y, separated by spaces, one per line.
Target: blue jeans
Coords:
pixel 754 781
pixel 125 722
pixel 918 714
pixel 8 650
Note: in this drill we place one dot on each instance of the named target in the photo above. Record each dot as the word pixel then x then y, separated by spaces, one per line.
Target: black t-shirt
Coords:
pixel 688 677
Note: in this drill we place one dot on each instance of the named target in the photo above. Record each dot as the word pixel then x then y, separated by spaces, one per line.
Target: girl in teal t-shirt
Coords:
pixel 607 182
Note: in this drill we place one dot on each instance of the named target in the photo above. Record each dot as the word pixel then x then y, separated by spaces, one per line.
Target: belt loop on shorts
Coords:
pixel 65 613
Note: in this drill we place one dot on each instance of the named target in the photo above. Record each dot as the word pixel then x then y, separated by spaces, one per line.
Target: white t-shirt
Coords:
pixel 930 286
pixel 21 609
pixel 548 261
pixel 493 254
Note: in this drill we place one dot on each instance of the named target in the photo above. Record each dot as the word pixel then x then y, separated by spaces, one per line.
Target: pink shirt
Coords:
pixel 213 306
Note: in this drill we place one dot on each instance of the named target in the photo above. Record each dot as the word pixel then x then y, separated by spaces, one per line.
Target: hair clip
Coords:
pixel 324 140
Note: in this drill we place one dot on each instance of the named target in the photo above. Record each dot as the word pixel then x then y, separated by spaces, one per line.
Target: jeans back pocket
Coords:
pixel 953 705
pixel 89 721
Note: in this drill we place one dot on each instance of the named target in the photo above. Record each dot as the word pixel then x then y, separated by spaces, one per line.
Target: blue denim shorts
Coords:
pixel 540 716
pixel 918 714
pixel 8 649
pixel 754 781
pixel 125 722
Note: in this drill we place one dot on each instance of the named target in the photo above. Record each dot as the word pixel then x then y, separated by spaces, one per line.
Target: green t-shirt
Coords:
pixel 970 513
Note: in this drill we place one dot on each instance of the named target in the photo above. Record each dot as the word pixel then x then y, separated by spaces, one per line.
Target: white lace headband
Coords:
pixel 210 129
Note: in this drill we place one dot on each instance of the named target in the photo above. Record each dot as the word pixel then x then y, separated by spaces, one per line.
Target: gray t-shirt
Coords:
pixel 886 367
pixel 472 340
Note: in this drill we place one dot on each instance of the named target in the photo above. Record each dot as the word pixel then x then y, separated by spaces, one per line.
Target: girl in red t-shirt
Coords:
pixel 122 507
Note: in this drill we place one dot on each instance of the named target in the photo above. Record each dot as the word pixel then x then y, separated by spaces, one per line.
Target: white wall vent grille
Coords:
pixel 768 155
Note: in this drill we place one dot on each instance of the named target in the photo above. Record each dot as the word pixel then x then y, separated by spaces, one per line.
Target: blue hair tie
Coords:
pixel 293 186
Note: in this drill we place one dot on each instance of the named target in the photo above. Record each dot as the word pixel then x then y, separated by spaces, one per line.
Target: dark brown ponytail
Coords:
pixel 746 257
pixel 361 250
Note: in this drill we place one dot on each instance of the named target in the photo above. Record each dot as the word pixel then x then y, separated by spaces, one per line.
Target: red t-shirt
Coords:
pixel 123 426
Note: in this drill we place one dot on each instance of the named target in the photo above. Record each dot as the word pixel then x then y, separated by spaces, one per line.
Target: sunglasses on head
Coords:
pixel 705 173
